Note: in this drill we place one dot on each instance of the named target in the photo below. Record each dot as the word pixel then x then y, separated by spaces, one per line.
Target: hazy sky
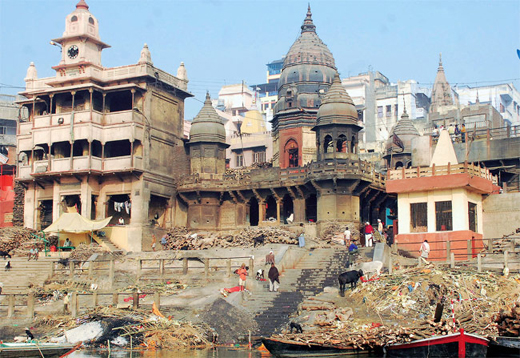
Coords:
pixel 225 42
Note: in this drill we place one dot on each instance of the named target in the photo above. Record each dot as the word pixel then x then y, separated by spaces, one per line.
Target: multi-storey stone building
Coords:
pixel 102 141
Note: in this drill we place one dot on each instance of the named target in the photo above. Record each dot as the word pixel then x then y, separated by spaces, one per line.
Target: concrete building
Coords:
pixel 102 141
pixel 267 93
pixel 8 118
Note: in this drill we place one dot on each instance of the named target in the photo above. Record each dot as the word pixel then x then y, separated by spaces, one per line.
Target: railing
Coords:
pixel 482 133
pixel 420 172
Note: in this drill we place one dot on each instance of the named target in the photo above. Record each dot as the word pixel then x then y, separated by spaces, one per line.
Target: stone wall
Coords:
pixel 501 214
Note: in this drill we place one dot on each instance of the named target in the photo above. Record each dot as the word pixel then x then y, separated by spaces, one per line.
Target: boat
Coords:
pixel 283 348
pixel 457 345
pixel 504 347
pixel 33 349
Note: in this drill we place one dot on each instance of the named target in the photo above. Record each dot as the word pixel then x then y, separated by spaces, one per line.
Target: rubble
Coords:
pixel 413 304
pixel 179 238
pixel 18 241
pixel 84 251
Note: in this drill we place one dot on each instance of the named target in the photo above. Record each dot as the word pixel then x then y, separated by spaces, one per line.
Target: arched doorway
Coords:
pixel 270 208
pixel 253 212
pixel 341 145
pixel 288 207
pixel 328 144
pixel 311 208
pixel 291 154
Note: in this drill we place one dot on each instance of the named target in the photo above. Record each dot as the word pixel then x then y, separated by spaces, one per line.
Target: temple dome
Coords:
pixel 337 106
pixel 207 125
pixel 405 130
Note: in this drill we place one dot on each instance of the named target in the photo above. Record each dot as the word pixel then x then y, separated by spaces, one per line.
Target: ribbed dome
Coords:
pixel 207 125
pixel 337 106
pixel 308 48
pixel 405 130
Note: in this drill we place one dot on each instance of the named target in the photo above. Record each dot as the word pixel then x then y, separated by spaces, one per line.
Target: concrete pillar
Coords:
pixel 135 301
pixel 448 251
pixel 10 305
pixel 299 210
pixel 479 263
pixel 115 299
pixel 452 262
pixel 157 300
pixel 30 305
pixel 161 267
pixel 111 273
pixel 139 268
pixel 390 265
pixel 74 304
pixel 71 269
pixel 261 211
pixel 470 249
pixel 278 211
pixel 228 264
pixel 94 299
pixel 51 269
pixel 90 268
pixel 251 265
pixel 206 267
pixel 184 266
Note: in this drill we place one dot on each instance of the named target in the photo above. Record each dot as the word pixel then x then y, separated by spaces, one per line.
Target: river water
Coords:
pixel 221 352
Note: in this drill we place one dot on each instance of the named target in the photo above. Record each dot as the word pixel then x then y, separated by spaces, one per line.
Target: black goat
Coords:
pixel 259 240
pixel 296 326
pixel 5 254
pixel 351 277
pixel 63 262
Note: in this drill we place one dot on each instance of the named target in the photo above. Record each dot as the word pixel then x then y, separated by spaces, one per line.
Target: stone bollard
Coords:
pixel 139 269
pixel 452 261
pixel 94 299
pixel 30 305
pixel 228 263
pixel 71 269
pixel 448 251
pixel 74 304
pixel 10 305
pixel 479 263
pixel 206 267
pixel 157 300
pixel 161 267
pixel 185 266
pixel 390 265
pixel 51 271
pixel 115 299
pixel 135 300
pixel 111 273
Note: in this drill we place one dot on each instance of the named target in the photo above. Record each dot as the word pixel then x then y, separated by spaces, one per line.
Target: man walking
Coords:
pixel 274 280
pixel 369 231
pixel 269 258
pixel 425 251
pixel 347 236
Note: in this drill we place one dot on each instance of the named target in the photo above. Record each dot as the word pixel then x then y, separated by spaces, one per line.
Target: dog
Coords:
pixel 5 254
pixel 296 326
pixel 259 240
pixel 260 274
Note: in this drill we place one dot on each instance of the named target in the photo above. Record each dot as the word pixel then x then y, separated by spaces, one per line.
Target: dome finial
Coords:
pixel 146 56
pixel 404 104
pixel 440 59
pixel 208 97
pixel 182 73
pixel 82 5
pixel 308 25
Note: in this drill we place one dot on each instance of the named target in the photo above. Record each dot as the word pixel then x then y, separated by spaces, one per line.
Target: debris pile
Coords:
pixel 179 238
pixel 413 304
pixel 168 287
pixel 334 228
pixel 18 240
pixel 84 251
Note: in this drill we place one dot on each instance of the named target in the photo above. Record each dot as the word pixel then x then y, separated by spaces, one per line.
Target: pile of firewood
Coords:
pixel 17 240
pixel 333 229
pixel 508 322
pixel 180 238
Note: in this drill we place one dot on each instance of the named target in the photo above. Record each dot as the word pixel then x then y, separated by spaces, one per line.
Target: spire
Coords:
pixel 308 25
pixel 32 74
pixel 181 72
pixel 440 61
pixel 146 56
pixel 441 91
pixel 405 114
pixel 82 5
pixel 477 101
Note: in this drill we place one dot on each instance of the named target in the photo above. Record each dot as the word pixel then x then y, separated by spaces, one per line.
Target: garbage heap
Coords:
pixel 412 304
pixel 179 238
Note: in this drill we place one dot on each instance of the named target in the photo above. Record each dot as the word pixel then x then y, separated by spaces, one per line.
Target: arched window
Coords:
pixel 291 154
pixel 353 145
pixel 91 20
pixel 398 165
pixel 74 18
pixel 341 145
pixel 328 144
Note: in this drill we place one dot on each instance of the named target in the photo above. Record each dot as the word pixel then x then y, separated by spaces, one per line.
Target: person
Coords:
pixel 369 230
pixel 274 280
pixel 463 133
pixel 154 240
pixel 66 302
pixel 269 258
pixel 163 242
pixel 347 235
pixel 457 133
pixel 290 219
pixel 353 247
pixel 435 132
pixel 301 240
pixel 451 131
pixel 36 253
pixel 31 254
pixel 380 227
pixel 8 266
pixel 390 236
pixel 67 243
pixel 242 274
pixel 425 251
pixel 53 248
pixel 121 221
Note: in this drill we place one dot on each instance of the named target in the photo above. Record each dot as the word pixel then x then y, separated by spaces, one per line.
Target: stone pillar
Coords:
pixel 139 268
pixel 135 303
pixel 261 211
pixel 299 210
pixel 74 304
pixel 157 300
pixel 278 210
pixel 184 266
pixel 479 263
pixel 448 251
pixel 71 269
pixel 94 299
pixel 228 263
pixel 10 305
pixel 111 273
pixel 115 299
pixel 206 267
pixel 161 267
pixel 30 305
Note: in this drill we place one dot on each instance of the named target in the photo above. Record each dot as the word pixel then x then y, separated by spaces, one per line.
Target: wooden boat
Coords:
pixel 29 350
pixel 458 345
pixel 282 348
pixel 504 347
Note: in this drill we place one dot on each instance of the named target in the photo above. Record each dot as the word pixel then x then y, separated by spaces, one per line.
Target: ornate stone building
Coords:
pixel 102 141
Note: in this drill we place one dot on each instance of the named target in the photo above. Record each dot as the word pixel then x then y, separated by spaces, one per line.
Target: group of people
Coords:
pixel 456 134
pixel 368 231
pixel 34 253
pixel 273 274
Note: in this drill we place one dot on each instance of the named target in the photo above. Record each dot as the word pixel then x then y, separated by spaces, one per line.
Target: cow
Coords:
pixel 351 277
pixel 371 268
pixel 5 254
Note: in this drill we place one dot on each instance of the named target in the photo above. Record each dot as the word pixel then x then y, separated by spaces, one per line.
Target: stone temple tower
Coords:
pixel 306 76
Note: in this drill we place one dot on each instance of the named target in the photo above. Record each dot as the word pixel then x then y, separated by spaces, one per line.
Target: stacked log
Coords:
pixel 180 238
pixel 334 228
pixel 19 202
pixel 17 240
pixel 508 322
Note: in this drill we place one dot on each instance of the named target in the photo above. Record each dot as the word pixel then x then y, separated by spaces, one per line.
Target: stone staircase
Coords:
pixel 23 273
pixel 316 270
pixel 105 242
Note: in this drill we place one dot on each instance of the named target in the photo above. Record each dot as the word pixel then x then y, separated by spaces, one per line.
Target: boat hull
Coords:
pixel 459 345
pixel 280 348
pixel 30 350
pixel 504 347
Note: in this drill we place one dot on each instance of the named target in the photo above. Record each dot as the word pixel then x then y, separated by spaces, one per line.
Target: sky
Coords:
pixel 227 42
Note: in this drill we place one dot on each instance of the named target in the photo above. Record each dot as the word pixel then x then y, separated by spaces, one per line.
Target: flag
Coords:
pixel 398 142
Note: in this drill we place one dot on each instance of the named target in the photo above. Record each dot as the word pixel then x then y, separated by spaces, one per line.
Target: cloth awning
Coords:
pixel 77 224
